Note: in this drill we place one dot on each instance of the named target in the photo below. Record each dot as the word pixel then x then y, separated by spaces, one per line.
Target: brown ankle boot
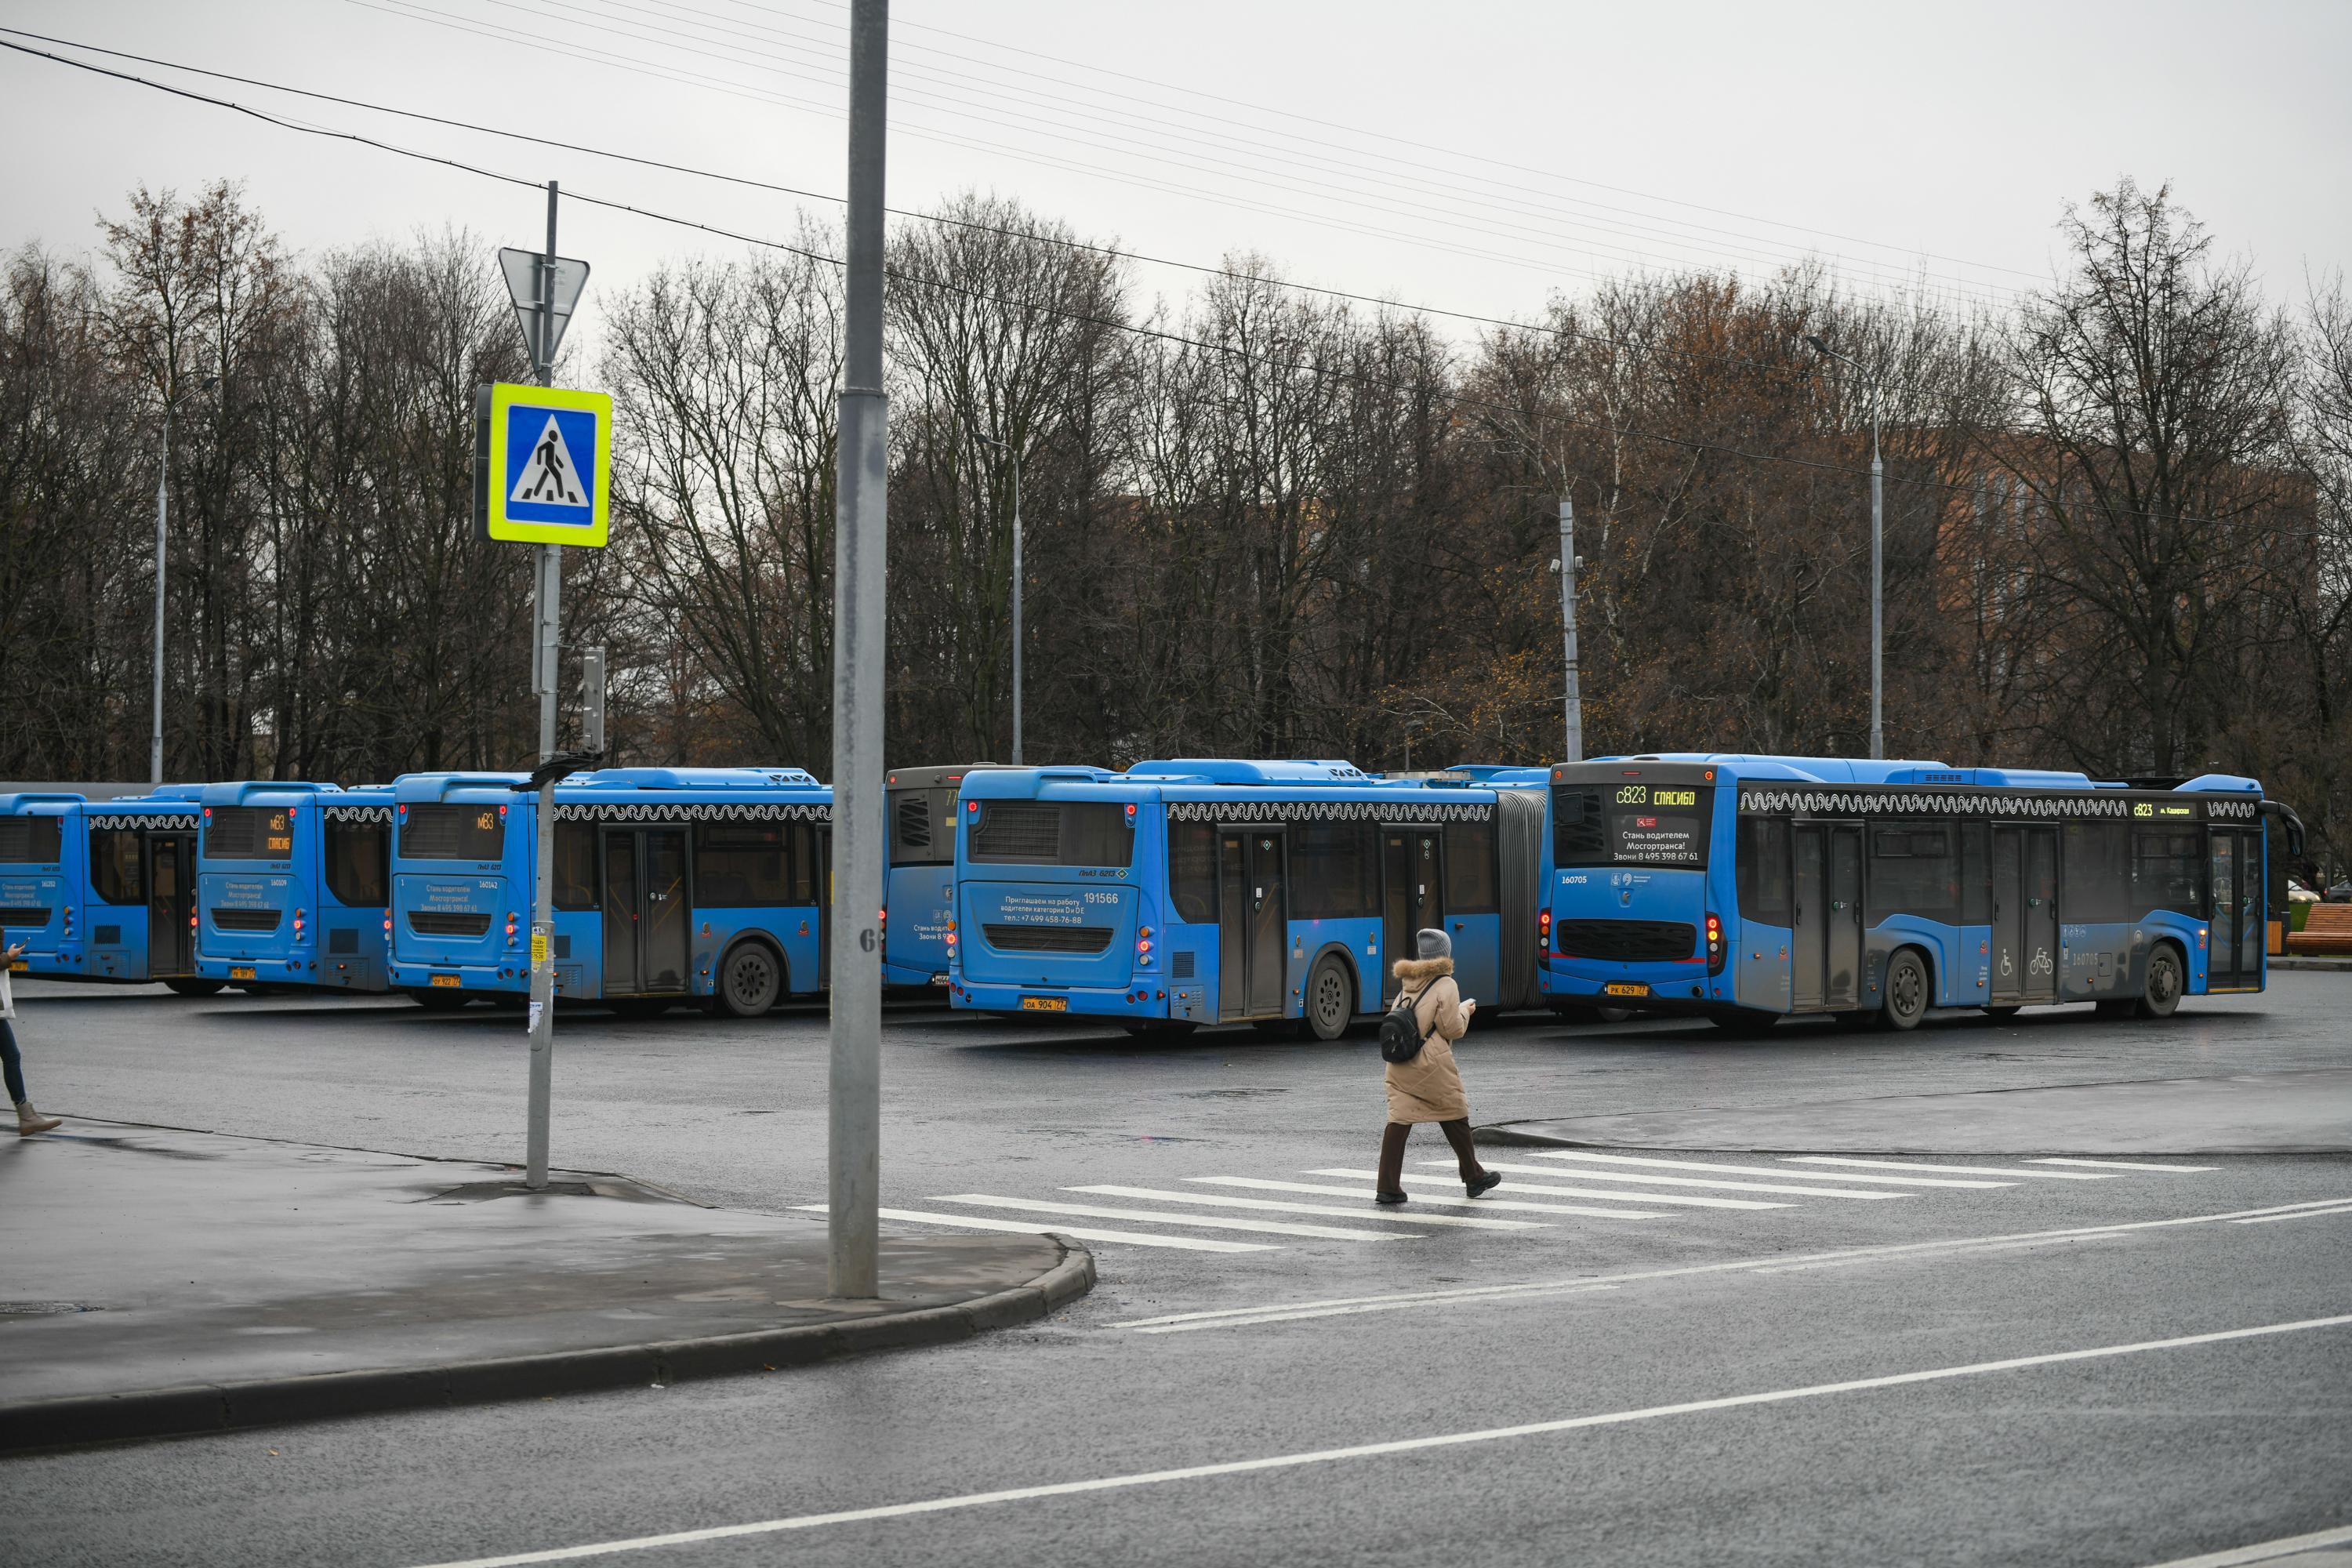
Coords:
pixel 29 1121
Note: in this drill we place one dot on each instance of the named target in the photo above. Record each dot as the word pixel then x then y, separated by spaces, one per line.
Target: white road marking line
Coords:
pixel 2307 1213
pixel 1614 1195
pixel 2267 1551
pixel 1223 1317
pixel 1311 1190
pixel 1581 1157
pixel 1375 1450
pixel 1841 1160
pixel 1180 1243
pixel 1644 1177
pixel 1367 1212
pixel 2115 1164
pixel 1207 1222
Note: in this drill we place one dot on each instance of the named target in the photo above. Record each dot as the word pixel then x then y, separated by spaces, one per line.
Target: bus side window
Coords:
pixel 575 865
pixel 2096 872
pixel 1193 871
pixel 1470 869
pixel 1763 870
pixel 1976 873
pixel 358 867
pixel 114 866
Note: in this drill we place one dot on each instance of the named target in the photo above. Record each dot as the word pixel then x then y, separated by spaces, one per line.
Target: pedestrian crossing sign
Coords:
pixel 543 464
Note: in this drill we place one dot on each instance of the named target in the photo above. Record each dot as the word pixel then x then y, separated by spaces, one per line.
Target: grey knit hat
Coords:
pixel 1434 944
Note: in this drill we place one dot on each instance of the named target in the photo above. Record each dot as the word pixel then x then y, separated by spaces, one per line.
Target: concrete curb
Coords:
pixel 197 1408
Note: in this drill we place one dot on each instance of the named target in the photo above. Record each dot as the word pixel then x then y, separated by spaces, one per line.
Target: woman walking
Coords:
pixel 12 1066
pixel 1429 1086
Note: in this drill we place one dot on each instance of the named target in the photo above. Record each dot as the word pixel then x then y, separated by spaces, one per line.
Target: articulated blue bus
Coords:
pixel 293 881
pixel 1279 893
pixel 102 890
pixel 1747 889
pixel 671 884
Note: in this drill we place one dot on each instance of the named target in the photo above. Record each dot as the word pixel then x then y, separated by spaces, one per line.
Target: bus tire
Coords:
pixel 1907 992
pixel 186 986
pixel 751 980
pixel 2167 979
pixel 1330 998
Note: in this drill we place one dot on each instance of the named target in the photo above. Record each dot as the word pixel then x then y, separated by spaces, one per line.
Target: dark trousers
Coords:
pixel 1456 1132
pixel 12 1066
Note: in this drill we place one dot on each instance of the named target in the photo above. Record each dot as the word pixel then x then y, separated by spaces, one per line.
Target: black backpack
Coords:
pixel 1401 1038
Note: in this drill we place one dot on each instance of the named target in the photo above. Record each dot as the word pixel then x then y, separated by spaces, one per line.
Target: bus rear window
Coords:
pixel 1050 833
pixel 28 840
pixel 1657 826
pixel 922 826
pixel 453 832
pixel 249 833
pixel 359 864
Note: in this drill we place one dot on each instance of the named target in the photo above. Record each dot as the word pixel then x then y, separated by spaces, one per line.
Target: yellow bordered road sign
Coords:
pixel 543 461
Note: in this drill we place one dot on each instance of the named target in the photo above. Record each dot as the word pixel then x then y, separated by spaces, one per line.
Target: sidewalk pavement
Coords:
pixel 159 1282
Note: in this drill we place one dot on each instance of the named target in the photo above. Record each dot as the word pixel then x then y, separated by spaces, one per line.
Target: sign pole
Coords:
pixel 544 665
pixel 855 1115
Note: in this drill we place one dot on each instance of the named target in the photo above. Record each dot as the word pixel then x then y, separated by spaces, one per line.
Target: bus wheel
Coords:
pixel 185 987
pixel 2164 983
pixel 749 981
pixel 1330 1000
pixel 1906 991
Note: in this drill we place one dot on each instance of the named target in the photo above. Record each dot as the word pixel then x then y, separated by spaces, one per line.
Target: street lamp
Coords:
pixel 1877 558
pixel 162 508
pixel 1014 456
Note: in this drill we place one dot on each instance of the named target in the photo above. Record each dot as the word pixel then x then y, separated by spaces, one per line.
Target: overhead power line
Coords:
pixel 1064 242
pixel 1458 399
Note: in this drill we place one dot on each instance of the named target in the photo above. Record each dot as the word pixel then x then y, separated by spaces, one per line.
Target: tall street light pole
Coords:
pixel 854 1116
pixel 545 664
pixel 1574 699
pixel 163 510
pixel 1877 558
pixel 1014 456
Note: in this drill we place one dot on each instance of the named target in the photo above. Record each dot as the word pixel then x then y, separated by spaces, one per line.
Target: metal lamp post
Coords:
pixel 1007 448
pixel 163 510
pixel 1877 557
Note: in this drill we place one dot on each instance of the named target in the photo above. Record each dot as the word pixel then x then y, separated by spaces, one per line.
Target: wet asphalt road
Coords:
pixel 2128 1458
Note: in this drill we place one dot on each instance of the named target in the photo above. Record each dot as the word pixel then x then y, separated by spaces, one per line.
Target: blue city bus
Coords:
pixel 102 890
pixel 1187 893
pixel 670 885
pixel 921 880
pixel 1747 889
pixel 293 881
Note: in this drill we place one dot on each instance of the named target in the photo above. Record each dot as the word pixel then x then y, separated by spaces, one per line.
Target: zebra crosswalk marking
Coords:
pixel 1678 1200
pixel 1365 1193
pixel 1271 1205
pixel 1847 1160
pixel 1580 1158
pixel 1599 1175
pixel 1150 1216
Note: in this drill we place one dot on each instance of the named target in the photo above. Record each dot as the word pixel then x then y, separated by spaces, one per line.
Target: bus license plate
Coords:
pixel 241 971
pixel 451 981
pixel 1626 988
pixel 1044 1003
pixel 20 966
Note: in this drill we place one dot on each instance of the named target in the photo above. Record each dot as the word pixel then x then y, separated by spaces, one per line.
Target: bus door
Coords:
pixel 1825 945
pixel 2233 958
pixel 1252 924
pixel 646 912
pixel 2025 915
pixel 171 868
pixel 1411 886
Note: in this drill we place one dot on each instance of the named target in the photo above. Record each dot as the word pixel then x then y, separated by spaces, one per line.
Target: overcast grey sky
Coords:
pixel 1474 157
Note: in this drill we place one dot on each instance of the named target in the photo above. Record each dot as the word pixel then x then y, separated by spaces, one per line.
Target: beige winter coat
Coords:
pixel 1429 1088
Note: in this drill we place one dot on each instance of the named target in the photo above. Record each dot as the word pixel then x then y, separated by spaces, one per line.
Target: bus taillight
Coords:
pixel 1715 944
pixel 1543 930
